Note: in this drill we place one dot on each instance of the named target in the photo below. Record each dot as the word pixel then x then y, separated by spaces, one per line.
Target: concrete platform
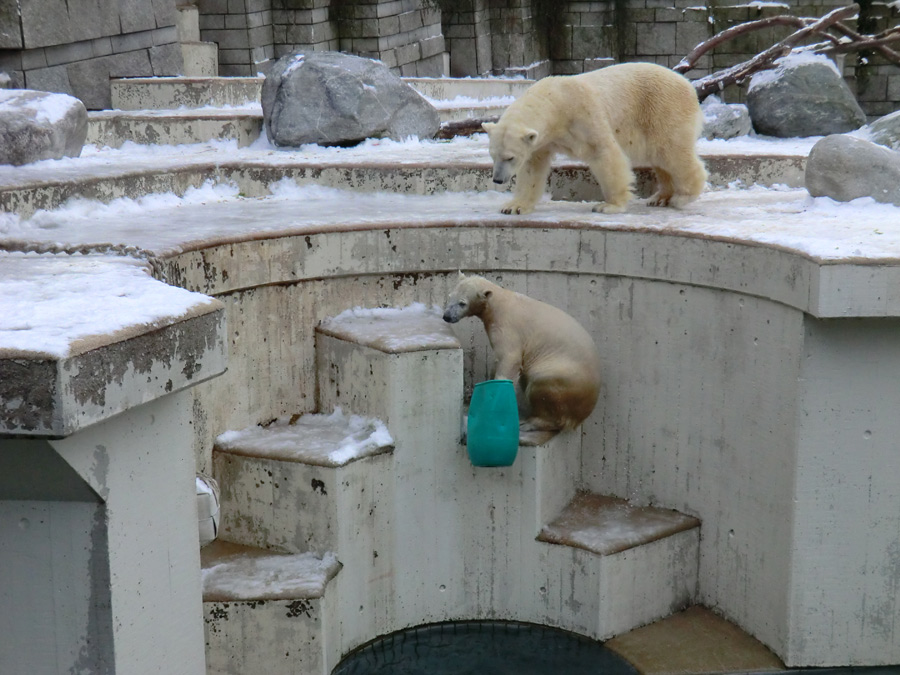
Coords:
pixel 694 642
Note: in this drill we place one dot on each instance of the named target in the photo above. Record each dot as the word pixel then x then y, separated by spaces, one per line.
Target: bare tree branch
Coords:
pixel 463 127
pixel 710 84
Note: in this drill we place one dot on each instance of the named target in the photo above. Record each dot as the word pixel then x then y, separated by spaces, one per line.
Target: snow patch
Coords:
pixel 793 60
pixel 48 302
pixel 325 440
pixel 269 577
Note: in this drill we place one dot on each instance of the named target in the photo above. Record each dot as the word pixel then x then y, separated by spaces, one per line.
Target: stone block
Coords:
pixel 135 15
pixel 259 37
pixel 10 26
pixel 164 36
pixel 208 7
pixel 389 25
pixel 60 54
pixel 392 8
pixel 561 45
pixel 166 60
pixel 229 57
pixel 11 60
pixel 34 58
pixel 433 66
pixel 37 31
pixel 412 20
pixel 872 88
pixel 228 39
pixel 164 10
pixel 54 79
pixel 588 43
pixel 211 22
pixel 235 21
pixel 655 38
pixel 567 67
pixel 237 6
pixel 432 46
pixel 668 14
pixel 131 42
pixel 688 34
pixel 259 19
pixel 101 46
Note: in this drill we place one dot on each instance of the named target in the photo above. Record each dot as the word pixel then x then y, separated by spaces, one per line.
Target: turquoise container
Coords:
pixel 492 436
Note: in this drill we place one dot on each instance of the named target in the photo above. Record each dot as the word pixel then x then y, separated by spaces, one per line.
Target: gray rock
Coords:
pixel 36 125
pixel 336 99
pixel 724 120
pixel 808 98
pixel 843 167
pixel 884 131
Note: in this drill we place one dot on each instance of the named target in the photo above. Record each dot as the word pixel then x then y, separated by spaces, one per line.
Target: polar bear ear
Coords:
pixel 461 275
pixel 488 126
pixel 530 136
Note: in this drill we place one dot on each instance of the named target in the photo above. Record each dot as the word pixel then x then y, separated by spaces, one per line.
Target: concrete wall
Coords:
pixel 75 47
pixel 724 396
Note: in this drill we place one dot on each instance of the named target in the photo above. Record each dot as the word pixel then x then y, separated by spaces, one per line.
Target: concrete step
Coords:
pixel 638 564
pixel 167 93
pixel 398 365
pixel 284 485
pixel 112 128
pixel 172 93
pixel 265 612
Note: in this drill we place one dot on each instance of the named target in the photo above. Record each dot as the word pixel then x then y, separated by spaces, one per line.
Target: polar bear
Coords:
pixel 613 119
pixel 549 354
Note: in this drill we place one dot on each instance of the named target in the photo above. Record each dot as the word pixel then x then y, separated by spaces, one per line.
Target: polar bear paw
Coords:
pixel 606 207
pixel 516 208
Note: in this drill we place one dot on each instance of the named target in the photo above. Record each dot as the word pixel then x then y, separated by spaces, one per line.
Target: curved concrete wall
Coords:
pixel 724 397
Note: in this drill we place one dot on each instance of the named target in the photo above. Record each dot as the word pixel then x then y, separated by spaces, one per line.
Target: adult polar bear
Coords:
pixel 615 118
pixel 543 349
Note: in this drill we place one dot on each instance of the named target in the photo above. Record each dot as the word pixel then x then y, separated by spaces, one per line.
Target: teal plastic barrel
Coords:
pixel 492 436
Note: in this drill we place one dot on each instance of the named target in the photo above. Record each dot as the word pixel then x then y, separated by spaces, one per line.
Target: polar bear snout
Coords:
pixel 449 318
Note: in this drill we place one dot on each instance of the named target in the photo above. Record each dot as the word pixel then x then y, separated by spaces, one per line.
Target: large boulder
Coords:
pixel 884 131
pixel 338 99
pixel 802 96
pixel 36 125
pixel 724 120
pixel 844 167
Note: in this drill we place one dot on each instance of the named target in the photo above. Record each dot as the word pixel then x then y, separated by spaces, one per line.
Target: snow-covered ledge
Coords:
pixel 86 337
pixel 97 502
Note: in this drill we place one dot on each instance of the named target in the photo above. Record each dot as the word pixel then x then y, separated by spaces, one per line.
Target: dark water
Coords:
pixel 483 648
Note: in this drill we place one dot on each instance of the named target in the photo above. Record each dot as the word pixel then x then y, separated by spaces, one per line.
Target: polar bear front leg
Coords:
pixel 530 183
pixel 613 172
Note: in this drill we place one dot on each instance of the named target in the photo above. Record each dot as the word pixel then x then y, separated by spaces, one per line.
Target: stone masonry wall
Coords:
pixel 243 30
pixel 76 46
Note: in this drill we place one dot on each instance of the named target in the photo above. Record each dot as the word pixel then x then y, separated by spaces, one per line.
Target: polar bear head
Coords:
pixel 469 298
pixel 511 144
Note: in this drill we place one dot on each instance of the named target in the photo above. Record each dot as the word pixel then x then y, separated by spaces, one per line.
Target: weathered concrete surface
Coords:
pixel 100 552
pixel 169 93
pixel 55 397
pixel 27 192
pixel 112 128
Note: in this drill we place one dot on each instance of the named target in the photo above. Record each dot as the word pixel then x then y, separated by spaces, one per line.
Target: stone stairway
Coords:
pixel 419 534
pixel 177 110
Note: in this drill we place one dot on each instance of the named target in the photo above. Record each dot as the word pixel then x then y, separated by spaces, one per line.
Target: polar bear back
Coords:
pixel 639 103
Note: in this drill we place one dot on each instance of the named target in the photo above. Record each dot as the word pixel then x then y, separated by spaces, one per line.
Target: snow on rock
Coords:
pixel 324 440
pixel 36 125
pixel 50 305
pixel 257 575
pixel 393 330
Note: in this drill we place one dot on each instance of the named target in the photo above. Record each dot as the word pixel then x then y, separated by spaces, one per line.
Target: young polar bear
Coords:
pixel 545 350
pixel 613 119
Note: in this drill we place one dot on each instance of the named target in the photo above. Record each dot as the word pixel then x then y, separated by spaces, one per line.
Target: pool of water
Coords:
pixel 483 648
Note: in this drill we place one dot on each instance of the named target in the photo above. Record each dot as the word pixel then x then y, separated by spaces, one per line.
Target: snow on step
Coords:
pixel 289 486
pixel 234 572
pixel 323 440
pixel 608 525
pixel 263 612
pixel 393 330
